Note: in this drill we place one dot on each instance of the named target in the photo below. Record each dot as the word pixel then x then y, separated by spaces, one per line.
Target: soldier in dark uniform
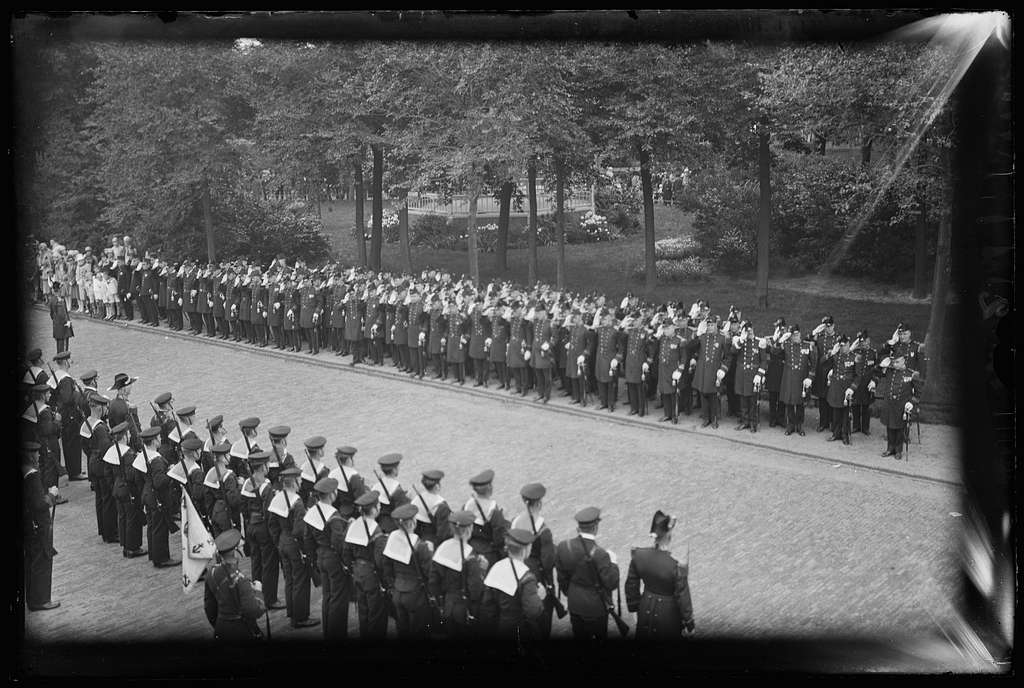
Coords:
pixel 773 376
pixel 438 322
pixel 190 288
pixel 175 298
pixel 96 434
pixel 542 345
pixel 513 601
pixel 496 343
pixel 257 493
pixel 293 314
pixel 325 538
pixel 373 326
pixel 902 396
pixel 222 498
pixel 350 484
pixel 216 434
pixel 865 360
pixel 313 470
pixel 280 458
pixel 232 299
pixel 311 309
pixel 824 338
pixel 244 307
pixel 156 498
pixel 275 311
pixel 37 536
pixel 230 601
pixel 540 556
pixel 711 348
pixel 842 380
pixel 390 492
pixel 799 366
pixel 579 349
pixel 390 311
pixel 354 312
pixel 663 610
pixel 204 301
pixel 479 331
pixel 189 474
pixel 363 553
pixel 431 509
pixel 456 337
pixel 729 382
pixel 259 309
pixel 40 423
pixel 220 297
pixel 519 351
pixel 672 359
pixel 489 525
pixel 68 400
pixel 401 336
pixel 287 530
pixel 608 356
pixel 338 296
pixel 163 278
pixel 416 337
pixel 901 344
pixel 406 566
pixel 587 574
pixel 242 449
pixel 128 493
pixel 457 577
pixel 750 355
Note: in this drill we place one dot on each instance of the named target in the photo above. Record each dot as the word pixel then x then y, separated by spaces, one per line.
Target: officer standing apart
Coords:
pixel 232 606
pixel 587 574
pixel 664 609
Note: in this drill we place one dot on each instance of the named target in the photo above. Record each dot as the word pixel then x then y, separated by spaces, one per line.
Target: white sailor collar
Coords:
pixel 506 575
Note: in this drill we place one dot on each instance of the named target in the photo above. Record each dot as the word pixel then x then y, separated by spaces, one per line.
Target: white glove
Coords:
pixel 542 592
pixel 581 360
pixel 392 330
pixel 785 338
pixel 487 343
pixel 762 343
pixel 526 356
pixel 463 339
pixel 646 366
pixel 828 378
pixel 907 408
pixel 895 337
pixel 871 386
pixel 886 362
pixel 193 292
pixel 677 375
pixel 615 363
pixel 807 382
pixel 818 330
pixel 179 302
pixel 720 375
pixel 545 346
pixel 736 342
pixel 264 314
pixel 277 305
pixel 257 586
pixel 702 328
pixel 757 380
pixel 423 337
pixel 128 295
pixel 567 346
pixel 849 394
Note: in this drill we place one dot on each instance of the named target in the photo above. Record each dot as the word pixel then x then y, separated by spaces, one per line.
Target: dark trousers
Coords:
pixel 296 583
pixel 894 440
pixel 633 393
pixel 711 404
pixel 604 393
pixel 72 442
pixel 861 419
pixel 156 536
pixel 794 417
pixel 260 332
pixel 266 567
pixel 373 612
pixel 221 326
pixel 576 387
pixel 416 359
pixel 668 402
pixel 543 382
pixel 732 397
pixel 174 319
pixel 129 525
pixel 481 370
pixel 412 614
pixel 748 410
pixel 824 414
pixel 38 570
pixel 129 311
pixel 839 420
pixel 278 332
pixel 403 357
pixel 108 511
pixel 588 629
pixel 355 346
pixel 62 345
pixel 336 587
pixel 314 340
pixel 776 410
pixel 685 399
pixel 519 375
pixel 459 369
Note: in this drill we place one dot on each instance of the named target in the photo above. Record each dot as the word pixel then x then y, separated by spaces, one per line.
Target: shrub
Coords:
pixel 431 231
pixel 389 226
pixel 590 228
pixel 674 271
pixel 676 248
pixel 619 200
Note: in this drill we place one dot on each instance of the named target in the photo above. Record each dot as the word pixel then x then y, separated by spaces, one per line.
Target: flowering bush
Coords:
pixel 689 269
pixel 389 226
pixel 618 198
pixel 676 248
pixel 592 227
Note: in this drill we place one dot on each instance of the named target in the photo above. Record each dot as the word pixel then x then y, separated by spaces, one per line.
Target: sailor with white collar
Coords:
pixel 392 494
pixel 280 458
pixel 221 498
pixel 257 493
pixel 363 554
pixel 41 424
pixel 457 577
pixel 513 598
pixel 215 434
pixel 406 566
pixel 96 438
pixel 313 469
pixel 184 418
pixel 152 468
pixel 189 474
pixel 326 537
pixel 541 554
pixel 287 530
pixel 432 509
pixel 68 402
pixel 351 485
pixel 34 372
pixel 489 523
pixel 243 448
pixel 130 517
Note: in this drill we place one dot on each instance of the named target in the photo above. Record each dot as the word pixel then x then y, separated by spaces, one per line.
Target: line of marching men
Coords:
pixel 400 552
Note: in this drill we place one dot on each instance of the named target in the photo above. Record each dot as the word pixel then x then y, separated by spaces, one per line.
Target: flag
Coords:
pixel 197 548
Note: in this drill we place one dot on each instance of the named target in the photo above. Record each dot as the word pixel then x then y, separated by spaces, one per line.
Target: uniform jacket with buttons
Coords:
pixel 577 578
pixel 750 361
pixel 609 345
pixel 799 362
pixel 711 350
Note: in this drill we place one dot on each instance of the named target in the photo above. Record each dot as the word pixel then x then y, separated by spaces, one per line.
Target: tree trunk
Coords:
pixel 360 197
pixel 403 234
pixel 474 263
pixel 764 217
pixel 921 251
pixel 865 151
pixel 377 237
pixel 560 223
pixel 505 205
pixel 650 267
pixel 940 291
pixel 211 248
pixel 531 237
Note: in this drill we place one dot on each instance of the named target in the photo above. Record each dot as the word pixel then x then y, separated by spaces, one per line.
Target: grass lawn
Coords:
pixel 608 268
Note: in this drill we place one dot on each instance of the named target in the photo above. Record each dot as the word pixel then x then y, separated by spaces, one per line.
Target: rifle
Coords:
pixel 470 619
pixel 376 572
pixel 427 508
pixel 609 608
pixel 386 493
pixel 545 580
pixel 124 476
pixel 220 479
